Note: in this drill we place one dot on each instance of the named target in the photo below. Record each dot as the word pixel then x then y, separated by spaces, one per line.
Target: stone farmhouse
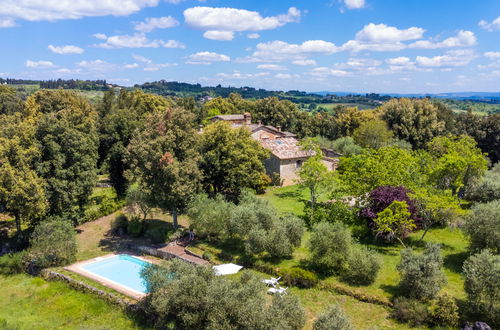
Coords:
pixel 287 156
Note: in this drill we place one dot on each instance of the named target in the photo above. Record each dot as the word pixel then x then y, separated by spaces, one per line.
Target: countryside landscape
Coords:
pixel 185 164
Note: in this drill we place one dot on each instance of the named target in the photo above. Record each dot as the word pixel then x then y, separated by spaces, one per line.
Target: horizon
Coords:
pixel 383 47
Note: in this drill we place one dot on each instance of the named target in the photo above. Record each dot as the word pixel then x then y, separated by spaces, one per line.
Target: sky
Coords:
pixel 380 46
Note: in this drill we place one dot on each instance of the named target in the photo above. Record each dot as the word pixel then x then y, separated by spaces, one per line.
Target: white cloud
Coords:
pixel 492 55
pixel 238 75
pixel 131 66
pixel 149 65
pixel 398 60
pixel 207 58
pixel 217 20
pixel 67 71
pixel 381 37
pixel 494 25
pixel 354 4
pixel 285 76
pixel 219 35
pixel 137 40
pixel 280 50
pixel 323 72
pixel 151 24
pixel 452 58
pixel 462 39
pixel 253 36
pixel 101 36
pixel 7 23
pixel 39 64
pixel 63 50
pixel 97 65
pixel 304 62
pixel 273 67
pixel 142 59
pixel 52 10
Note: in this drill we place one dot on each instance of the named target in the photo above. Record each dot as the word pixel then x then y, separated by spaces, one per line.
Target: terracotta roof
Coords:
pixel 285 148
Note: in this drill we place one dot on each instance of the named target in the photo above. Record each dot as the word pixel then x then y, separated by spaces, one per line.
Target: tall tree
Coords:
pixel 415 121
pixel 66 135
pixel 164 159
pixel 372 134
pixel 231 159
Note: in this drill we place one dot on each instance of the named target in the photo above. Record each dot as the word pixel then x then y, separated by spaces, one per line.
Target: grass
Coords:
pixel 32 303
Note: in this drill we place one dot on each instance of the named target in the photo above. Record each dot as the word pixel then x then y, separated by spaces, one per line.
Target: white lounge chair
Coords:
pixel 272 282
pixel 280 291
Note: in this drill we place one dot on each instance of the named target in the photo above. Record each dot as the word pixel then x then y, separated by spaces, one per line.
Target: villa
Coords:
pixel 287 156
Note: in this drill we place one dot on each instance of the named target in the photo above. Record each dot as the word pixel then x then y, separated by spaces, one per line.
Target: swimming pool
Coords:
pixel 122 269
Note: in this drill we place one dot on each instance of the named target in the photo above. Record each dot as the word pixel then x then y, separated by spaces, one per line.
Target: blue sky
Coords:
pixel 398 46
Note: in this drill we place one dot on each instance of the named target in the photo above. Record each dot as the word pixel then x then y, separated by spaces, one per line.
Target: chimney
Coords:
pixel 248 118
pixel 279 128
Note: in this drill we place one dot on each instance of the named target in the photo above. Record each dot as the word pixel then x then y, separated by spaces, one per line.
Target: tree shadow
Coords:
pixel 454 262
pixel 289 194
pixel 393 290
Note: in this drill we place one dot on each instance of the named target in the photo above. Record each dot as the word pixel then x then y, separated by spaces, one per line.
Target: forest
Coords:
pixel 419 241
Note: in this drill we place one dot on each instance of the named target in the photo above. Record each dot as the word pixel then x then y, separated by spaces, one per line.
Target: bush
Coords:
pixel 135 227
pixel 13 263
pixel 330 246
pixel 333 318
pixel 421 274
pixel 410 311
pixel 488 189
pixel 330 212
pixel 119 224
pixel 53 243
pixel 207 256
pixel 277 244
pixel 157 234
pixel 482 285
pixel 483 227
pixel 285 312
pixel 256 242
pixel 209 216
pixel 294 227
pixel 363 266
pixel 443 311
pixel 299 277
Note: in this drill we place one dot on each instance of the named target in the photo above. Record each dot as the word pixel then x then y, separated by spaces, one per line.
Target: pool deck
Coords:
pixel 78 268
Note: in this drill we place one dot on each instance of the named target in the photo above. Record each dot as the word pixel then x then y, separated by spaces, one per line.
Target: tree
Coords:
pixel 485 189
pixel 394 222
pixel 313 174
pixel 444 311
pixel 53 243
pixel 209 216
pixel 364 265
pixel 137 199
pixel 483 227
pixel 482 286
pixel 387 166
pixel 164 159
pixel 67 139
pixel 22 191
pixel 333 318
pixel 415 121
pixel 10 103
pixel 373 134
pixel 346 146
pixel 458 161
pixel 421 274
pixel 231 159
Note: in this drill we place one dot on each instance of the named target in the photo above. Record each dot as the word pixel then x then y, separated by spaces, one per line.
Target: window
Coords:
pixel 298 164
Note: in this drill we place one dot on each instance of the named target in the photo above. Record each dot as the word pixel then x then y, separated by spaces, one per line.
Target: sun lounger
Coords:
pixel 280 291
pixel 273 281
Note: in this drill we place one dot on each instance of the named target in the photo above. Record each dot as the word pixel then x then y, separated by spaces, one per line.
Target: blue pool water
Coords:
pixel 122 269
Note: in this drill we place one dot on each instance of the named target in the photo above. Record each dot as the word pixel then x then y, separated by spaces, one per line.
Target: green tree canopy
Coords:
pixel 231 160
pixel 373 134
pixel 394 222
pixel 164 159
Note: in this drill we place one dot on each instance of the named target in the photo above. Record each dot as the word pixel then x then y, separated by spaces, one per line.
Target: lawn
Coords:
pixel 31 303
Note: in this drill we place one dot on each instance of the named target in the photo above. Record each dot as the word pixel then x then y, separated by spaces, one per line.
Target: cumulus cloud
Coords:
pixel 492 55
pixel 402 60
pixel 151 24
pixel 7 23
pixel 462 39
pixel 149 65
pixel 97 65
pixel 304 62
pixel 492 26
pixel 253 36
pixel 280 50
pixel 219 35
pixel 207 58
pixel 274 67
pixel 452 58
pixel 323 72
pixel 131 66
pixel 137 40
pixel 354 4
pixel 238 75
pixel 285 76
pixel 43 10
pixel 39 64
pixel 63 50
pixel 216 21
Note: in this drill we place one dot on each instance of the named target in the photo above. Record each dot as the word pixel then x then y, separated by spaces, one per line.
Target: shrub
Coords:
pixel 294 227
pixel 421 274
pixel 157 234
pixel 443 311
pixel 120 223
pixel 209 216
pixel 330 212
pixel 207 256
pixel 330 246
pixel 53 243
pixel 333 318
pixel 256 242
pixel 488 189
pixel 12 263
pixel 410 311
pixel 363 266
pixel 135 227
pixel 482 285
pixel 285 312
pixel 483 227
pixel 277 243
pixel 297 276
